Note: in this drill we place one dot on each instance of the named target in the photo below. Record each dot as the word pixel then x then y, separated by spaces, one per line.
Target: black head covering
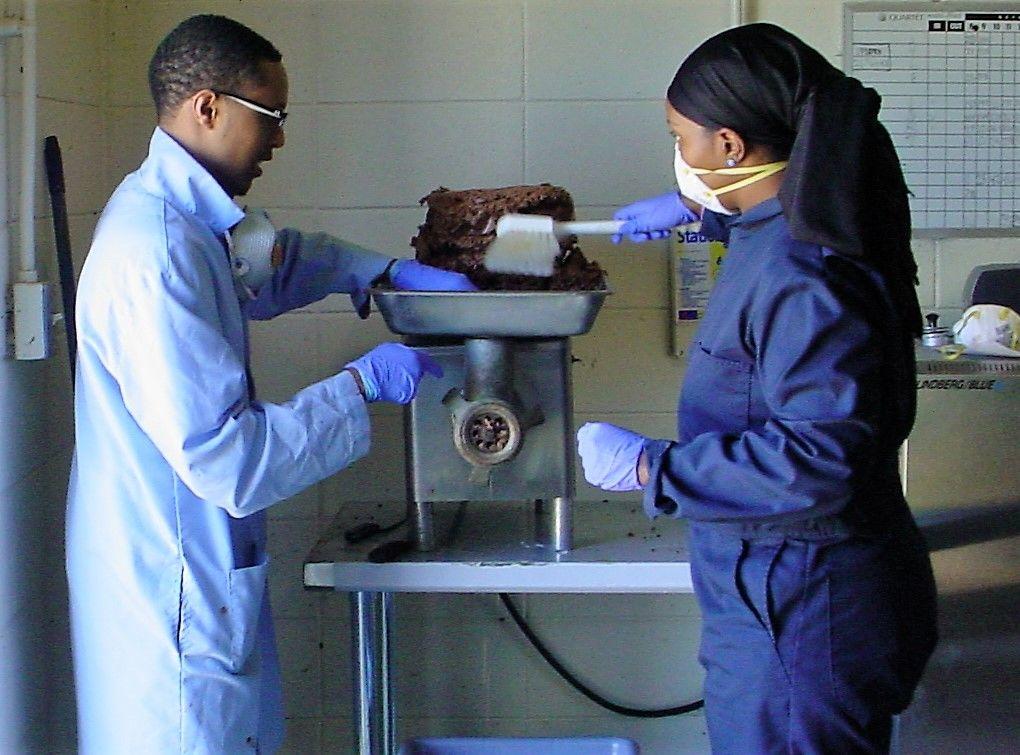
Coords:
pixel 843 187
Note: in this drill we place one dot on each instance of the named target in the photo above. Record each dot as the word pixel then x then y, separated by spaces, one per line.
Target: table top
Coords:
pixel 491 547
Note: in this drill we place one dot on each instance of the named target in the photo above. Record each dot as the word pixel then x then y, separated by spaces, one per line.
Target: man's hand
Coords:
pixel 409 275
pixel 392 372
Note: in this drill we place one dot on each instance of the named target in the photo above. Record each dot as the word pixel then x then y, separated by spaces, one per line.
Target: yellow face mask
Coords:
pixel 691 186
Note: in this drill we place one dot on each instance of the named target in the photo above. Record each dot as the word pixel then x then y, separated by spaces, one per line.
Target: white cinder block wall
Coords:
pixel 389 100
pixel 36 704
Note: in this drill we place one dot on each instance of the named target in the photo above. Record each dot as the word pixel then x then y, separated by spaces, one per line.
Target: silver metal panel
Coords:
pixel 962 450
pixel 931 362
pixel 490 314
pixel 959 527
pixel 544 466
pixel 492 550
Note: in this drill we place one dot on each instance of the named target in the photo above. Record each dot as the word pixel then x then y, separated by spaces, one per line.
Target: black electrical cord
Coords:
pixel 395 549
pixel 386 552
pixel 365 530
pixel 596 698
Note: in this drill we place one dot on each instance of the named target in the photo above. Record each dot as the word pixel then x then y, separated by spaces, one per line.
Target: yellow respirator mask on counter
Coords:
pixel 988 330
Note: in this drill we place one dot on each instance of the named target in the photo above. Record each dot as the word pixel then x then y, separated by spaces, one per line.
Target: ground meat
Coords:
pixel 460 225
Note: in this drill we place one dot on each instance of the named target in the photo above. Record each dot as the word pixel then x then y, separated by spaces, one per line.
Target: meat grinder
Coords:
pixel 498 426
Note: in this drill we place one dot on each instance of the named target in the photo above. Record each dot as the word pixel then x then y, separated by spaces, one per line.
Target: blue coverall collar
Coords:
pixel 170 171
pixel 761 211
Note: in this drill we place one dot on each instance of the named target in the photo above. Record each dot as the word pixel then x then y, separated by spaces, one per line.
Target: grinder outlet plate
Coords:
pixel 489 434
pixel 490 314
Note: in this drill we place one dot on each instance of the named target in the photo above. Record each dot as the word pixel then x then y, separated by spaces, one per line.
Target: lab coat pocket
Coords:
pixel 247 589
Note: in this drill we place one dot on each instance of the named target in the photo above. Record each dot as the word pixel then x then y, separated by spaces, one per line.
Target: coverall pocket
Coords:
pixel 752 577
pixel 246 588
pixel 718 391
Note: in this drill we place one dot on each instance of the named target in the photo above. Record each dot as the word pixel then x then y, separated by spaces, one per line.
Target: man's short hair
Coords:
pixel 206 52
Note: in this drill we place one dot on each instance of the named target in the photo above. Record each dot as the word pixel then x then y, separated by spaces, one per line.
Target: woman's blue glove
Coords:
pixel 609 455
pixel 410 275
pixel 653 218
pixel 392 371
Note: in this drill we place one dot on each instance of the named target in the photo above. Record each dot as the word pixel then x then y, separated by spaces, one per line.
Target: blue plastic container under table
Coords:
pixel 520 746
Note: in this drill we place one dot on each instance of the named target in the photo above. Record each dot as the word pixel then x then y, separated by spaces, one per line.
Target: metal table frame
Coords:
pixel 631 555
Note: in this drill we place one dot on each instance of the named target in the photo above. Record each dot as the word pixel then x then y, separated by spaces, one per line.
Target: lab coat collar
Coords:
pixel 170 171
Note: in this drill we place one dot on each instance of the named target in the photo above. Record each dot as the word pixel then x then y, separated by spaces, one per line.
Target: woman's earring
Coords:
pixel 730 162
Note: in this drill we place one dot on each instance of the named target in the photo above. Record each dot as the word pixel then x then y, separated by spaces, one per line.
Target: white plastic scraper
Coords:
pixel 529 244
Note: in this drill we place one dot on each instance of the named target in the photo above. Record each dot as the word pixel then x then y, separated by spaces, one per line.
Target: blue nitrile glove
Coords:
pixel 410 275
pixel 609 455
pixel 653 218
pixel 392 371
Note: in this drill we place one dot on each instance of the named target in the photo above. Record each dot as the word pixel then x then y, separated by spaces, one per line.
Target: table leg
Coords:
pixel 421 526
pixel 554 524
pixel 562 524
pixel 371 619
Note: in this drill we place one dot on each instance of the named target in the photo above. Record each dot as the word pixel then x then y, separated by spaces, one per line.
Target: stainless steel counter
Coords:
pixel 491 549
pixel 488 548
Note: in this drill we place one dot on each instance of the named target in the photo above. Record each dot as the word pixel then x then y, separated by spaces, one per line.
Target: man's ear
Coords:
pixel 204 108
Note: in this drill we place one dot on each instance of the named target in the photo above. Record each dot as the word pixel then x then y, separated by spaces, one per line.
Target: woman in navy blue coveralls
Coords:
pixel 815 586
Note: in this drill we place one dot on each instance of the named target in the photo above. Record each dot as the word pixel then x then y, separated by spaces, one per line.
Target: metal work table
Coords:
pixel 483 548
pixel 485 551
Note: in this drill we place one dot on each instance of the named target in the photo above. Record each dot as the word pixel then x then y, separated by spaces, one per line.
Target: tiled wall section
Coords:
pixel 501 93
pixel 391 99
pixel 36 689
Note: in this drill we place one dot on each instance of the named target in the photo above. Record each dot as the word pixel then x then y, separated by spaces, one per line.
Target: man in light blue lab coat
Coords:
pixel 176 460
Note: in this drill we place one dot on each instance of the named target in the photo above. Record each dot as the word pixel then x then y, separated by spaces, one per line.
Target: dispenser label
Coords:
pixel 956 384
pixel 696 267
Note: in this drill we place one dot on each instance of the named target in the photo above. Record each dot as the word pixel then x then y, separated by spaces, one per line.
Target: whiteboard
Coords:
pixel 947 74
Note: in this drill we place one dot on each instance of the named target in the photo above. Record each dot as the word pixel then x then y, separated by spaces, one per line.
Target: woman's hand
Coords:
pixel 653 218
pixel 610 456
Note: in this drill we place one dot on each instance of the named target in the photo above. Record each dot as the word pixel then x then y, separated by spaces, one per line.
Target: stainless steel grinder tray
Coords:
pixel 489 314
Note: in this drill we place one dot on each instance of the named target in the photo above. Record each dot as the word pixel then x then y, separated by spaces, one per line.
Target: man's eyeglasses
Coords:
pixel 280 116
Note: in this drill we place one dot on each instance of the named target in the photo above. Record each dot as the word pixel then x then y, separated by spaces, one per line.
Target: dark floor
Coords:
pixel 969 699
